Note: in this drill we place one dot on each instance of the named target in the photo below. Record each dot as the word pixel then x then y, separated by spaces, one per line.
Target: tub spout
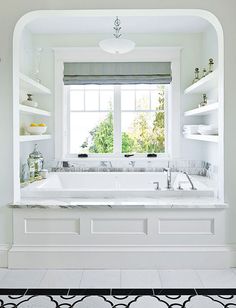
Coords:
pixel 190 181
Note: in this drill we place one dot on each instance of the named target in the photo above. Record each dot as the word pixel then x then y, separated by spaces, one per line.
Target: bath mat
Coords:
pixel 117 298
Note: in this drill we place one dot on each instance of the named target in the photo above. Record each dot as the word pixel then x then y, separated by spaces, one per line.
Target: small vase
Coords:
pixel 30 102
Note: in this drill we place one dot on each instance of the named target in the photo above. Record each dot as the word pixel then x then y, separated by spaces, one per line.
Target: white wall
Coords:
pixel 27 66
pixel 12 10
pixel 190 58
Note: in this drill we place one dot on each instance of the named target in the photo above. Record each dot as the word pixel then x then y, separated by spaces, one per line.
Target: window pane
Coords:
pixel 142 100
pixel 91 132
pixel 127 100
pixel 143 132
pixel 106 100
pixel 77 87
pixel 77 100
pixel 91 100
pixel 128 87
pixel 107 87
pixel 91 87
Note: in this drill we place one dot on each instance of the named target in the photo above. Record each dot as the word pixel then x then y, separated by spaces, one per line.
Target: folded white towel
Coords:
pixel 190 129
pixel 200 129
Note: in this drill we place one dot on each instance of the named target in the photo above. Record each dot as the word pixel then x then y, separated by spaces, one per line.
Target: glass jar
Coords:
pixel 35 162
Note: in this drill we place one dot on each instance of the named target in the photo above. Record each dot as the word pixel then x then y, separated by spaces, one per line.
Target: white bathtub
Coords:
pixel 112 185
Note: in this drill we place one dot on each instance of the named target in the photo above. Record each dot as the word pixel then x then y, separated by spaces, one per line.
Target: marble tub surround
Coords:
pixel 193 167
pixel 132 203
pixel 113 220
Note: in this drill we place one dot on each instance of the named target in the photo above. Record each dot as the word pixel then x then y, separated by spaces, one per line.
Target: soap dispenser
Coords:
pixel 35 162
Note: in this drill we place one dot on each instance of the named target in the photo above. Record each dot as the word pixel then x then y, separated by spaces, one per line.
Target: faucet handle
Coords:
pixel 65 164
pixel 157 185
pixel 132 163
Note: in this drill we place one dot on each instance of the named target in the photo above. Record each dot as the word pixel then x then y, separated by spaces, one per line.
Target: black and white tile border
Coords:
pixel 117 298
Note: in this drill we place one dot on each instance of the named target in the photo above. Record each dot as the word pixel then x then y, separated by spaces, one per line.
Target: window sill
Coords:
pixel 116 158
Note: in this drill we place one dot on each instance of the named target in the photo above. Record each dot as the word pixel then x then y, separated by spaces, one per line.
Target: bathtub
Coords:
pixel 113 185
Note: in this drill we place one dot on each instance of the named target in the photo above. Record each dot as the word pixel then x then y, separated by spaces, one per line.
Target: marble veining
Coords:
pixel 109 204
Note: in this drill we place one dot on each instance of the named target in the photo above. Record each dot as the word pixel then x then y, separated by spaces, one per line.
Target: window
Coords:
pixel 117 119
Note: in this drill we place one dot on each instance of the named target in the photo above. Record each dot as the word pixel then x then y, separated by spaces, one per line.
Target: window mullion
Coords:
pixel 117 120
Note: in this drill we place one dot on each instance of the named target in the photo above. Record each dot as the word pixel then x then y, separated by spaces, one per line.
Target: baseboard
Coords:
pixel 4 255
pixel 120 257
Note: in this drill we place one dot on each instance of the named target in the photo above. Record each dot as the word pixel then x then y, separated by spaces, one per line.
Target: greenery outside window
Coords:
pixel 117 119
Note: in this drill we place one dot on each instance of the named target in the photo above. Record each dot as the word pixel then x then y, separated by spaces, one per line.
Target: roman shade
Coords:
pixel 82 73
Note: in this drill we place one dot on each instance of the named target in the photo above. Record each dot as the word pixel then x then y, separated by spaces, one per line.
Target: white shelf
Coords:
pixel 25 138
pixel 202 110
pixel 204 85
pixel 210 138
pixel 32 110
pixel 31 86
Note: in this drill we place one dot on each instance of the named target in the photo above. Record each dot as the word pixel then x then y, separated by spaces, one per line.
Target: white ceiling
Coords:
pixel 129 24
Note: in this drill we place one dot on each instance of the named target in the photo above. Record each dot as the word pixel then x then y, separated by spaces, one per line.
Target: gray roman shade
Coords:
pixel 82 73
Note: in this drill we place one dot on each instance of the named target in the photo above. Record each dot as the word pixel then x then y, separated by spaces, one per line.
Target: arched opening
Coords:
pixel 30 17
pixel 191 148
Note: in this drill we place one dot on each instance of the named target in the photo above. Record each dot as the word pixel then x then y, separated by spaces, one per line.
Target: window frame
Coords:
pixel 94 54
pixel 117 120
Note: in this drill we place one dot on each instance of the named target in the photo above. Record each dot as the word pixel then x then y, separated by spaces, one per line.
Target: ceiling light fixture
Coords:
pixel 117 45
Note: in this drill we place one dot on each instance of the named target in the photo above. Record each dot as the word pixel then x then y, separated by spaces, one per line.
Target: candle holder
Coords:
pixel 204 102
pixel 196 72
pixel 210 65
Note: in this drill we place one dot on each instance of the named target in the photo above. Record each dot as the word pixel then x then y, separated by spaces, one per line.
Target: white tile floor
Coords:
pixel 118 278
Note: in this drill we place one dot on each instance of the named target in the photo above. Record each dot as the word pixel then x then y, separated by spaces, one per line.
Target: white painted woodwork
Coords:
pixel 52 226
pixel 119 226
pixel 34 111
pixel 186 226
pixel 204 85
pixel 209 138
pixel 201 111
pixel 31 86
pixel 25 138
pixel 161 238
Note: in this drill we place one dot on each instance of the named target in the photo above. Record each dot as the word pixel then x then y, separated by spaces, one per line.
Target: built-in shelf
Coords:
pixel 35 111
pixel 31 86
pixel 202 110
pixel 25 138
pixel 210 138
pixel 204 85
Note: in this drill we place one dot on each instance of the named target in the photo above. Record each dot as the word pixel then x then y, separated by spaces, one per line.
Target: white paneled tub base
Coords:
pixel 119 238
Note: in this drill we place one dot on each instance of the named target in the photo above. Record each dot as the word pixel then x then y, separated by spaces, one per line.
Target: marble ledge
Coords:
pixel 147 203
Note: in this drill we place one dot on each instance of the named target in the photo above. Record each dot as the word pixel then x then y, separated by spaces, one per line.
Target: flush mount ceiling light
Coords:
pixel 117 45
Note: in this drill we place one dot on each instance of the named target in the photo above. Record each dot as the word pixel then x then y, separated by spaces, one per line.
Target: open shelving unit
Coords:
pixel 31 86
pixel 205 84
pixel 209 138
pixel 25 138
pixel 206 110
pixel 34 111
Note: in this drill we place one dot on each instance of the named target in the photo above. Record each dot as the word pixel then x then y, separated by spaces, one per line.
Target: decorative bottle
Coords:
pixel 196 73
pixel 35 161
pixel 210 65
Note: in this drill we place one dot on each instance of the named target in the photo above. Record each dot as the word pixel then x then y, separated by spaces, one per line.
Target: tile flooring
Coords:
pixel 110 298
pixel 114 279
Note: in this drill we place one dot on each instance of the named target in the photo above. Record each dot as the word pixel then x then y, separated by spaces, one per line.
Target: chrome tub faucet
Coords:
pixel 190 181
pixel 168 173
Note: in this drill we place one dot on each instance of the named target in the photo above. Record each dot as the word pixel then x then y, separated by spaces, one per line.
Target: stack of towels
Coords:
pixel 200 129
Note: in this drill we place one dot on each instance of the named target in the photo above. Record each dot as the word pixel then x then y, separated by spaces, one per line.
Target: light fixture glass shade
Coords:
pixel 117 45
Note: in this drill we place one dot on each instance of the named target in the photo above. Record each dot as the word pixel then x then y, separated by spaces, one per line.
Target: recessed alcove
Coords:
pixel 184 38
